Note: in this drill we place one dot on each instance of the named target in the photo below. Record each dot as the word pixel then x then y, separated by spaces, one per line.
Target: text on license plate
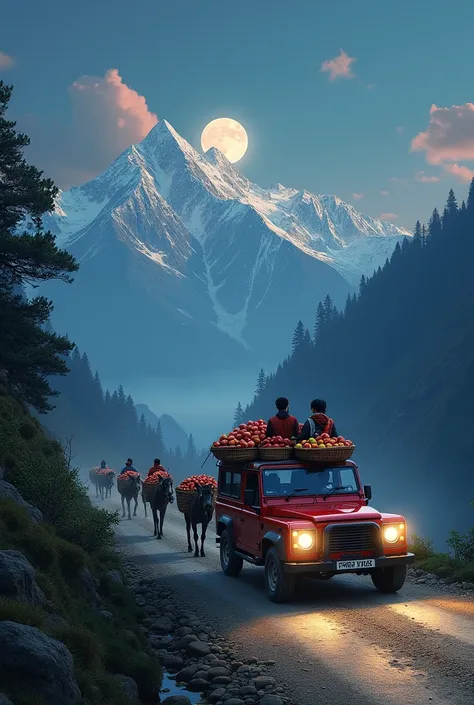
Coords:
pixel 355 565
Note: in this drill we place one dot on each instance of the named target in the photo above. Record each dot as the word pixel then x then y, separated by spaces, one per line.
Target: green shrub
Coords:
pixel 71 558
pixel 462 545
pixel 27 430
pixel 421 546
pixel 84 646
pixel 13 611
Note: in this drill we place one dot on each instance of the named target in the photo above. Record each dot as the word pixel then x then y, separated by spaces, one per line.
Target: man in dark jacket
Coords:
pixel 282 424
pixel 318 422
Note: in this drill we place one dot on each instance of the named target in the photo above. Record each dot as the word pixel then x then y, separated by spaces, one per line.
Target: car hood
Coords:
pixel 326 512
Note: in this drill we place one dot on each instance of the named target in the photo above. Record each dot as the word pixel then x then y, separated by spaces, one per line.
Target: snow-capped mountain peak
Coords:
pixel 208 250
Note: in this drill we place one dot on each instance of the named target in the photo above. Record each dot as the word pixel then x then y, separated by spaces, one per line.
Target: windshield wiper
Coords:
pixel 336 489
pixel 292 494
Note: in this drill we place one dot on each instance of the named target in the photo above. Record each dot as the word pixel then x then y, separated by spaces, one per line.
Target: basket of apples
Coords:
pixel 324 449
pixel 276 448
pixel 240 444
pixel 187 489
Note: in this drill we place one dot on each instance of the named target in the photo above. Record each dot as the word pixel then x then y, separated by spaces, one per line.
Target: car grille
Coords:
pixel 352 538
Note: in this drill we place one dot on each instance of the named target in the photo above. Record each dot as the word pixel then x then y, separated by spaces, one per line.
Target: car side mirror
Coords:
pixel 368 492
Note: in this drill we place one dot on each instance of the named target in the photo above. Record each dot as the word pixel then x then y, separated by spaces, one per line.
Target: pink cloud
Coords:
pixel 384 193
pixel 340 67
pixel 449 136
pixel 6 61
pixel 426 179
pixel 107 117
pixel 388 216
pixel 357 196
pixel 462 173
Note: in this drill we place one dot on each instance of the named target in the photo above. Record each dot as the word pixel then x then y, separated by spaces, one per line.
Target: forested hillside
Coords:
pixel 103 426
pixel 397 370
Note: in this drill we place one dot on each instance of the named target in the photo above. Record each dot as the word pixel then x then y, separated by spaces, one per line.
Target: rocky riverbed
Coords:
pixel 195 655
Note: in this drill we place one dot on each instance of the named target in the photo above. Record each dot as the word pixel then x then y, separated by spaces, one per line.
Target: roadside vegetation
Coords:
pixel 456 565
pixel 87 607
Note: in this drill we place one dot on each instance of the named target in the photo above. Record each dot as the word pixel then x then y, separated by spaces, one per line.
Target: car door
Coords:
pixel 250 532
pixel 230 491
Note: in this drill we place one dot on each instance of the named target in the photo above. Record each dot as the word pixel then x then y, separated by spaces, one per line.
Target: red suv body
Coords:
pixel 312 520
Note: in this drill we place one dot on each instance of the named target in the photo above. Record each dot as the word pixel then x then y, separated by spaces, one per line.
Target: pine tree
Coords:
pixel 363 283
pixel 470 201
pixel 417 231
pixel 30 353
pixel 434 225
pixel 319 323
pixel 451 205
pixel 298 337
pixel 191 449
pixel 238 415
pixel 423 236
pixel 261 383
pixel 329 310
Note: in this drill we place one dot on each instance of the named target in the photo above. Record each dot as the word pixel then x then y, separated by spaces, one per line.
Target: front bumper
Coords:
pixel 330 566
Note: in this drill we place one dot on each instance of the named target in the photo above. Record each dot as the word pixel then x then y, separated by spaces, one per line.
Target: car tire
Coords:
pixel 390 579
pixel 230 563
pixel 280 586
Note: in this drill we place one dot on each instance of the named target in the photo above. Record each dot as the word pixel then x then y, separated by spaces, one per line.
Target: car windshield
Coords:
pixel 305 482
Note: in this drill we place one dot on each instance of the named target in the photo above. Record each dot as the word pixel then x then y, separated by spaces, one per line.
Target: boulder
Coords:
pixel 198 649
pixel 163 625
pixel 8 491
pixel 18 579
pixel 42 663
pixel 128 686
pixel 114 577
pixel 89 589
pixel 176 700
pixel 3 698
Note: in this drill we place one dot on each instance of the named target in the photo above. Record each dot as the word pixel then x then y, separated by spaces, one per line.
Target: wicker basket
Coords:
pixel 324 455
pixel 183 499
pixel 275 453
pixel 235 454
pixel 149 491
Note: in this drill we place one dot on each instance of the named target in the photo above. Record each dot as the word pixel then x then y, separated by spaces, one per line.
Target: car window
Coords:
pixel 278 483
pixel 230 484
pixel 252 484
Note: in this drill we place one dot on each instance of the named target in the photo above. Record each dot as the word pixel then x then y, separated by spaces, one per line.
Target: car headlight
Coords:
pixel 303 540
pixel 394 533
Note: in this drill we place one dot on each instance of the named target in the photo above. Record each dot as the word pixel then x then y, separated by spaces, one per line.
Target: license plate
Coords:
pixel 355 565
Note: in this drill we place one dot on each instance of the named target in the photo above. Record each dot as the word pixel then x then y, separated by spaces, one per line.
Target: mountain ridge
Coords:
pixel 206 252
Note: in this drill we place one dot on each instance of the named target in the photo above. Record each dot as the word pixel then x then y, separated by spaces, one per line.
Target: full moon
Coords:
pixel 228 136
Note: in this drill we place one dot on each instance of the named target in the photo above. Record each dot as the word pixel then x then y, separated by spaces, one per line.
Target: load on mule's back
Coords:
pixel 105 480
pixel 157 489
pixel 128 485
pixel 196 498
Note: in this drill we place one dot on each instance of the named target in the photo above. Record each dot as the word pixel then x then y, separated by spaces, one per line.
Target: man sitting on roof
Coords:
pixel 282 424
pixel 318 422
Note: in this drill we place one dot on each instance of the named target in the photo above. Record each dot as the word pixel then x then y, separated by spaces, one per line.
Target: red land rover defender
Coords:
pixel 311 520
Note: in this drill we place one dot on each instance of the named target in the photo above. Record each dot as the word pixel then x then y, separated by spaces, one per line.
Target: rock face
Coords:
pixel 3 698
pixel 129 687
pixel 44 663
pixel 18 580
pixel 8 491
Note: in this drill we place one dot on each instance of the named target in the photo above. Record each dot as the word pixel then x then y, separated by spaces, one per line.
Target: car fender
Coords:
pixel 276 540
pixel 227 523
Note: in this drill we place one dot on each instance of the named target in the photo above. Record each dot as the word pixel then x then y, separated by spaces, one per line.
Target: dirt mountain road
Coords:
pixel 338 642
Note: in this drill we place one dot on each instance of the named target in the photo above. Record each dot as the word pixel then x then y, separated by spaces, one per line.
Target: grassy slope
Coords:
pixel 78 536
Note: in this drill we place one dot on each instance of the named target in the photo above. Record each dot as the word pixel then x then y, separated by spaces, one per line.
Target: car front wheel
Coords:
pixel 390 579
pixel 230 563
pixel 280 585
